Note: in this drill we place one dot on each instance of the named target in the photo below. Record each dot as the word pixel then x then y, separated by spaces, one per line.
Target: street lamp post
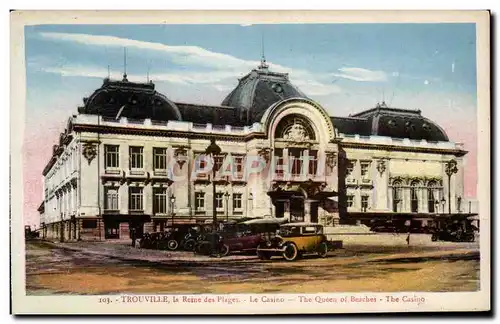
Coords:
pixel 226 198
pixel 172 206
pixel 450 169
pixel 213 150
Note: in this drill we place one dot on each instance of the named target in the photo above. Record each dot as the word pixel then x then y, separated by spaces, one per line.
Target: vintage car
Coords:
pixel 244 237
pixel 454 233
pixel 293 240
pixel 179 234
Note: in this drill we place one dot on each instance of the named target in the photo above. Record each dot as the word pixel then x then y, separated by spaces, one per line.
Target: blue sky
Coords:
pixel 346 68
pixel 330 62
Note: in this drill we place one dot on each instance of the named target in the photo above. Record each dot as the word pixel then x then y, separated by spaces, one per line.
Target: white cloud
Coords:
pixel 426 82
pixel 360 74
pixel 221 70
pixel 186 55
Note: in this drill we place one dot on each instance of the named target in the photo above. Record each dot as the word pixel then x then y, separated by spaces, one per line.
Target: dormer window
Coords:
pixel 277 88
pixel 391 123
pixel 409 126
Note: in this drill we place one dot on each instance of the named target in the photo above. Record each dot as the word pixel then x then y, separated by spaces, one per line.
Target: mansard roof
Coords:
pixel 391 122
pixel 247 103
pixel 259 90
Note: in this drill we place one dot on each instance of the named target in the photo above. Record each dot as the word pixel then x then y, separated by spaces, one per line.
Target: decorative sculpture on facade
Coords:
pixel 89 151
pixel 296 133
pixel 180 154
pixel 381 167
pixel 331 159
pixel 265 153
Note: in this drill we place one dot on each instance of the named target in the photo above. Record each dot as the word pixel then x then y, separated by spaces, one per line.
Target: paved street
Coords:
pixel 114 268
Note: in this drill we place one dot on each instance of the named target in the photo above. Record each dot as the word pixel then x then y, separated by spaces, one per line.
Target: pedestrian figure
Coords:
pixel 408 239
pixel 133 236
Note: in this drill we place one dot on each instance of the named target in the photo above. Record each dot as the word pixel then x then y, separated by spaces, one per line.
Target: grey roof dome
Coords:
pixel 391 122
pixel 131 100
pixel 258 90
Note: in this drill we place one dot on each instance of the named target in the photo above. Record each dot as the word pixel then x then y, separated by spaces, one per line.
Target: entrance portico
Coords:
pixel 299 202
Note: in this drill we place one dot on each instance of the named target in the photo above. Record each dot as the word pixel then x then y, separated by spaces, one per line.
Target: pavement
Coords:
pixel 392 244
pixel 124 251
pixel 97 268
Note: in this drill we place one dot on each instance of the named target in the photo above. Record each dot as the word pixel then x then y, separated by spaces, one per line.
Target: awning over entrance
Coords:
pixel 126 218
pixel 313 190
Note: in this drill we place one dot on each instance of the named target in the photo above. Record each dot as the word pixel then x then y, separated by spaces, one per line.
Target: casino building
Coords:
pixel 131 157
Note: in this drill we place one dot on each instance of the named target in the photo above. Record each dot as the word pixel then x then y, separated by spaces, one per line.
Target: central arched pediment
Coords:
pixel 298 119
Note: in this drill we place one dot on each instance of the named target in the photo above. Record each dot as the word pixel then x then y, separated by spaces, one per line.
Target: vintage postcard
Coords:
pixel 250 162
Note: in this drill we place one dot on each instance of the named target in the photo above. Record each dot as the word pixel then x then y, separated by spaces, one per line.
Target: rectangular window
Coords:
pixel 349 167
pixel 200 162
pixel 365 167
pixel 136 157
pixel 135 201
pixel 218 200
pixel 218 160
pixel 364 202
pixel 313 162
pixel 238 166
pixel 350 200
pixel 237 201
pixel 159 158
pixel 111 202
pixel 199 201
pixel 159 200
pixel 111 156
pixel 431 200
pixel 296 160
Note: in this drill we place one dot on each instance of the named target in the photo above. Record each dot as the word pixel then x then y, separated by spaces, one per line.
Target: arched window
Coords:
pixel 397 195
pixel 432 199
pixel 295 128
pixel 414 196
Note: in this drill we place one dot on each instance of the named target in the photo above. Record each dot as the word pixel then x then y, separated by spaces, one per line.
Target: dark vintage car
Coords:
pixel 180 234
pixel 294 240
pixel 243 236
pixel 455 233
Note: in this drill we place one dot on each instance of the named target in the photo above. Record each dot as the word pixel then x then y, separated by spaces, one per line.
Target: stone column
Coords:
pixel 286 209
pixel 307 210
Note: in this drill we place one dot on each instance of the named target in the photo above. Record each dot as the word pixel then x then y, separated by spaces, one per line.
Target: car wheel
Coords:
pixel 472 238
pixel 263 255
pixel 291 252
pixel 172 245
pixel 189 245
pixel 434 237
pixel 323 250
pixel 224 250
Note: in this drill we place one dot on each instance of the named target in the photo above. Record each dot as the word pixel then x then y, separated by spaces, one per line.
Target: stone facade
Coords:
pixel 108 175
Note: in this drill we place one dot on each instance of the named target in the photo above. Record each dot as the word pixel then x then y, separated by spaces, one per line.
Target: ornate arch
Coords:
pixel 295 127
pixel 319 120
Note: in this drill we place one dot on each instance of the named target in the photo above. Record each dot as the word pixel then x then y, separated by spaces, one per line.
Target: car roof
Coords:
pixel 301 224
pixel 265 221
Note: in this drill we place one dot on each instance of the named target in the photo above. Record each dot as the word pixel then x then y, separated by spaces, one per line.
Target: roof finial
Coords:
pixel 147 76
pixel 125 64
pixel 263 64
pixel 108 72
